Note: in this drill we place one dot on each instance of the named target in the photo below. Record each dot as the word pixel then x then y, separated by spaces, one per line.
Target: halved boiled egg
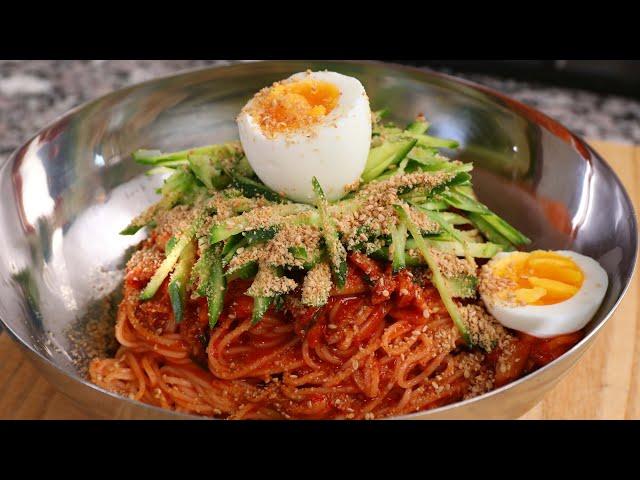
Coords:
pixel 311 124
pixel 543 293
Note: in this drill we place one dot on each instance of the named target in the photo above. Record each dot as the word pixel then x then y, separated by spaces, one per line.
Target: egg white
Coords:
pixel 545 321
pixel 335 152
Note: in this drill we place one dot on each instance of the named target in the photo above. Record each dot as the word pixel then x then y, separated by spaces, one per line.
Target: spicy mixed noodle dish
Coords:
pixel 332 265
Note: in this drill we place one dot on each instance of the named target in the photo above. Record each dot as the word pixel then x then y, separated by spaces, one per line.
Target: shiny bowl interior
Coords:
pixel 69 190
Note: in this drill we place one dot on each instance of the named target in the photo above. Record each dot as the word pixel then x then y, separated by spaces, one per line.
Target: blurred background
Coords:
pixel 598 99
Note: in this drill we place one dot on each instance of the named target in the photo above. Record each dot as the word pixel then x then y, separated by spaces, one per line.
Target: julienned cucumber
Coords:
pixel 337 253
pixel 432 142
pixel 170 260
pixel 251 188
pixel 156 157
pixel 205 169
pixel 260 307
pixel 462 286
pixel 418 126
pixel 436 277
pixel 179 280
pixel 398 242
pixel 215 287
pixel 382 157
pixel 233 226
pixel 494 227
pixel 476 250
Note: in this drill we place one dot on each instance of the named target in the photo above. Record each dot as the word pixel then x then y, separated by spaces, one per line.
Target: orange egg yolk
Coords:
pixel 540 277
pixel 293 106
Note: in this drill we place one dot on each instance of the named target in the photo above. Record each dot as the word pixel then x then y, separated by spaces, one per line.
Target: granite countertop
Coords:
pixel 34 92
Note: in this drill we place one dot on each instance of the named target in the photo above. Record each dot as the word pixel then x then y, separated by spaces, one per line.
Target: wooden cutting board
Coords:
pixel 605 384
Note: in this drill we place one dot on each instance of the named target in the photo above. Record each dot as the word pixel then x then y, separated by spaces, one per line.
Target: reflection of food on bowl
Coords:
pixel 557 214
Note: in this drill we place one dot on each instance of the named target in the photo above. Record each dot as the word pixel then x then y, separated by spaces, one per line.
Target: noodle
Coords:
pixel 362 355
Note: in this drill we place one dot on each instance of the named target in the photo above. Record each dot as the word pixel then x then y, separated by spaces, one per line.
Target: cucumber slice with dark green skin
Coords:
pixel 132 229
pixel 179 280
pixel 170 260
pixel 251 188
pixel 243 168
pixel 260 307
pixel 244 272
pixel 309 259
pixel 418 126
pixel 433 142
pixel 382 157
pixel 455 234
pixel 398 243
pixel 436 276
pixel 506 230
pixel 463 202
pixel 205 169
pixel 484 219
pixel 246 239
pixel 476 250
pixel 452 218
pixel 215 289
pixel 488 231
pixel 337 252
pixel 462 286
pixel 156 157
pixel 170 244
pixel 233 226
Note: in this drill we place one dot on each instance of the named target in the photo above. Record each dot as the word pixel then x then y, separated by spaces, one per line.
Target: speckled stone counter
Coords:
pixel 34 92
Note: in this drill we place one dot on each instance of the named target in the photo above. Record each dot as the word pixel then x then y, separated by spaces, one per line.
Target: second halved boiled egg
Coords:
pixel 543 293
pixel 311 124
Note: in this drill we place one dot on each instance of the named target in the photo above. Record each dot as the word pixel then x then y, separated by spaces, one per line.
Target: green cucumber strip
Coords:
pixel 260 234
pixel 243 168
pixel 205 169
pixel 475 249
pixel 433 142
pixel 418 126
pixel 309 259
pixel 440 220
pixel 506 230
pixel 231 246
pixel 452 218
pixel 251 188
pixel 260 307
pixel 244 272
pixel 156 157
pixel 337 253
pixel 179 279
pixel 233 226
pixel 487 222
pixel 463 202
pixel 170 244
pixel 398 242
pixel 488 231
pixel 170 260
pixel 462 286
pixel 437 278
pixel 244 240
pixel 382 157
pixel 162 170
pixel 216 285
pixel 131 229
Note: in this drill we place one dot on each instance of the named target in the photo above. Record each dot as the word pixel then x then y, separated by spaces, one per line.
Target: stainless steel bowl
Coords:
pixel 69 190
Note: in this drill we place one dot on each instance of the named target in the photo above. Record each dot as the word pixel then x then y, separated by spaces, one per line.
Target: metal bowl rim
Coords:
pixel 512 104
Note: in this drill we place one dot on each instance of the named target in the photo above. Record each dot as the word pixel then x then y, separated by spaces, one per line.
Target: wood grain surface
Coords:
pixel 605 384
